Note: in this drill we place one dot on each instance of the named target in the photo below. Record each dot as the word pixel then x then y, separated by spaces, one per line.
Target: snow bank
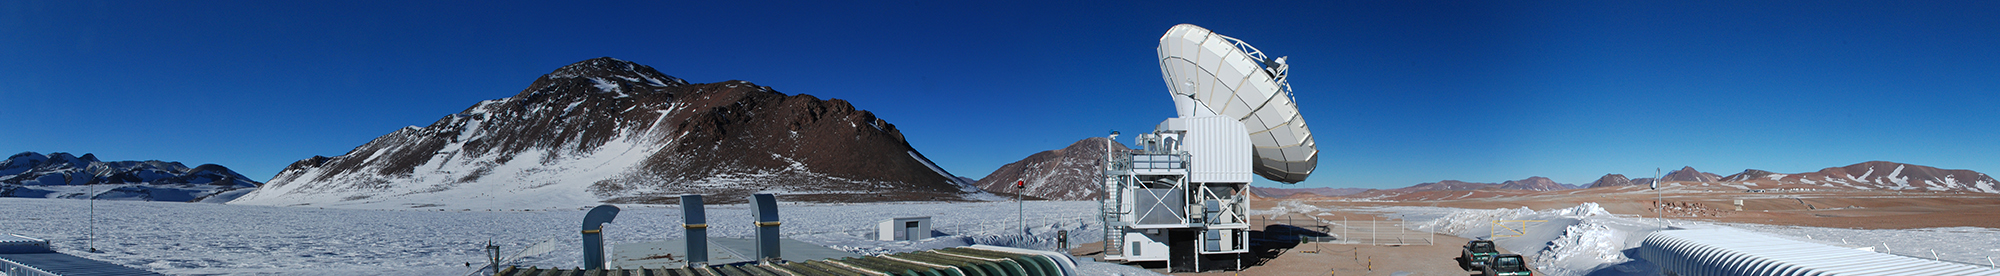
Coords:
pixel 1580 240
pixel 1586 240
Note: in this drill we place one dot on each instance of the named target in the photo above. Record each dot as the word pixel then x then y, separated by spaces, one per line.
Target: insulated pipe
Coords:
pixel 696 224
pixel 593 235
pixel 767 226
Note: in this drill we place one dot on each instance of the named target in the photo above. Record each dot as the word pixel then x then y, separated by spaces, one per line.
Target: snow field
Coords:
pixel 184 238
pixel 1586 240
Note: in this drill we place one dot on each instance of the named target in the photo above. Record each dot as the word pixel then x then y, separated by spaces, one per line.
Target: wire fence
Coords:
pixel 1932 254
pixel 1370 232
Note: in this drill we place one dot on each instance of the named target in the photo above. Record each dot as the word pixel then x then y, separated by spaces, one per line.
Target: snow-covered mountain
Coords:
pixel 611 131
pixel 61 175
pixel 1871 175
pixel 1071 173
pixel 1879 175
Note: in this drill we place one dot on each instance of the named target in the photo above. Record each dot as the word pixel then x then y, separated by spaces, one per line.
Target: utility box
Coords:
pixel 903 229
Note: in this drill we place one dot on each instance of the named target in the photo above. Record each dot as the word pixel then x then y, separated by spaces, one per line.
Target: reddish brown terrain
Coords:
pixel 1771 203
pixel 1715 201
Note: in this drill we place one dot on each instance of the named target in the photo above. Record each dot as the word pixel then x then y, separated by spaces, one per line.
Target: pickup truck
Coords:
pixel 1476 254
pixel 1507 265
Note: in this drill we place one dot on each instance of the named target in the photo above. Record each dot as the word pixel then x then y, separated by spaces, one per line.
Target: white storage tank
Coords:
pixel 903 229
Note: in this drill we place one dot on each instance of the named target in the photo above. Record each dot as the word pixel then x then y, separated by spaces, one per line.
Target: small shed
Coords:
pixel 903 229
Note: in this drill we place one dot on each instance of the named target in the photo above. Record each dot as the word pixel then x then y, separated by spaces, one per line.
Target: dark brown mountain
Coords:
pixel 1689 174
pixel 1075 172
pixel 608 130
pixel 1610 180
pixel 1748 175
pixel 1536 183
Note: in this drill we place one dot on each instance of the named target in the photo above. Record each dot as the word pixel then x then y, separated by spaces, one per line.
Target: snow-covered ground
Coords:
pixel 206 239
pixel 1586 240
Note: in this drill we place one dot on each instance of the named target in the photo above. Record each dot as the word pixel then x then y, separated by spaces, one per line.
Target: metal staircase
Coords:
pixel 1110 211
pixel 1111 207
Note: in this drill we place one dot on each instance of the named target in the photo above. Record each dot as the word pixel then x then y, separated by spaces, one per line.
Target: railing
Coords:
pixel 1370 232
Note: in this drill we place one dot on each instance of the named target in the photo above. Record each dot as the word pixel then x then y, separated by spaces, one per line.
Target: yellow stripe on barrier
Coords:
pixel 593 231
pixel 694 226
pixel 767 223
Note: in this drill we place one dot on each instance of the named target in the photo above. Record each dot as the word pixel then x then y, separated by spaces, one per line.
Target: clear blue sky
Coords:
pixel 1398 92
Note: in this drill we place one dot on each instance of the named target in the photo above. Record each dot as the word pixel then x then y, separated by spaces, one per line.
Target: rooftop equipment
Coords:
pixel 699 250
pixel 593 234
pixel 767 227
pixel 696 223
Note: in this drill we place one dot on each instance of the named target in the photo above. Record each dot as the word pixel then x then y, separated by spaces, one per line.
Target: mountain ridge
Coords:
pixel 59 175
pixel 1070 173
pixel 612 131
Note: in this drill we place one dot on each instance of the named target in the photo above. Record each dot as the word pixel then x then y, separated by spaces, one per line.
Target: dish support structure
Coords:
pixel 1180 197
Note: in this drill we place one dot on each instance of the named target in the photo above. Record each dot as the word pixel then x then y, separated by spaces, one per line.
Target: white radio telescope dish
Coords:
pixel 1211 74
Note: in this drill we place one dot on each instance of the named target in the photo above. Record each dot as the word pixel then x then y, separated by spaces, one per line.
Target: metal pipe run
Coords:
pixel 767 227
pixel 696 223
pixel 593 234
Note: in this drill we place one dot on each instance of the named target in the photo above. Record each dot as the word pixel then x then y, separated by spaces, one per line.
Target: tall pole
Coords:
pixel 1021 207
pixel 1658 207
pixel 89 237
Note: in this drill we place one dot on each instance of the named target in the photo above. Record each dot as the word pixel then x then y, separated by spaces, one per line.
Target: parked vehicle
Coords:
pixel 1507 265
pixel 1476 254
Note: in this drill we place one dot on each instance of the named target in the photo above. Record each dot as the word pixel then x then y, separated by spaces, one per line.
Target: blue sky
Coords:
pixel 1397 92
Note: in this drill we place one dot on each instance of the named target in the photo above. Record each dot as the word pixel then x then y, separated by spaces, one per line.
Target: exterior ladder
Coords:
pixel 1110 210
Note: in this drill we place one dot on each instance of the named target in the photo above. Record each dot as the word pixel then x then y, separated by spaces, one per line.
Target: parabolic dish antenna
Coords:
pixel 1211 74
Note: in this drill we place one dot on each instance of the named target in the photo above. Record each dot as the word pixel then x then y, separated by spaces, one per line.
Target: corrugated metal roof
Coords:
pixel 949 261
pixel 64 264
pixel 12 243
pixel 1724 251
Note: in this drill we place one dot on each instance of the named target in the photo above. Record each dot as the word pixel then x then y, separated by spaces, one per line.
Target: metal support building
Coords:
pixel 1180 198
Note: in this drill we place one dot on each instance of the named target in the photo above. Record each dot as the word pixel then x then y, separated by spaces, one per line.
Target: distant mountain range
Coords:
pixel 611 131
pixel 1073 173
pixel 1533 183
pixel 1879 175
pixel 62 175
pixel 1872 175
pixel 1289 192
